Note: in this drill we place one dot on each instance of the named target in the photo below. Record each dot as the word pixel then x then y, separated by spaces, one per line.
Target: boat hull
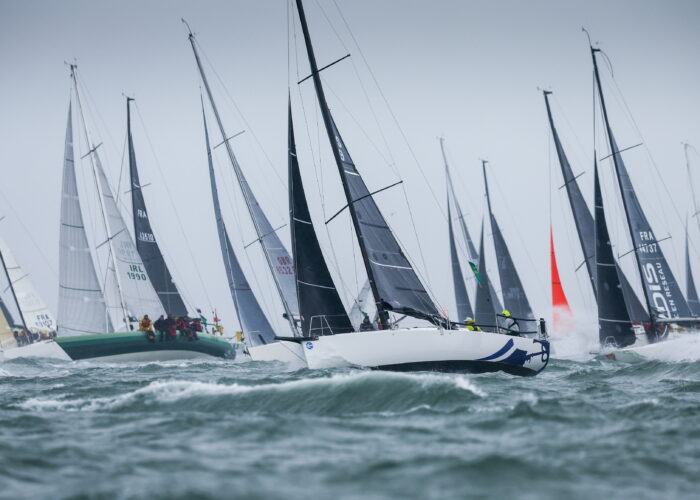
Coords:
pixel 42 349
pixel 133 346
pixel 286 352
pixel 429 349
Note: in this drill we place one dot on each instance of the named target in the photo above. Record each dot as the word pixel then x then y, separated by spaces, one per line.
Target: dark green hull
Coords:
pixel 133 346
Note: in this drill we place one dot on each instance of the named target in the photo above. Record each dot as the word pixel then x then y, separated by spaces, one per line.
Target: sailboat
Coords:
pixel 89 311
pixel 665 302
pixel 396 289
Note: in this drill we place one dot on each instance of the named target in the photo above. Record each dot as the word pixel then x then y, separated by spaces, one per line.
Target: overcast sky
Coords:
pixel 466 70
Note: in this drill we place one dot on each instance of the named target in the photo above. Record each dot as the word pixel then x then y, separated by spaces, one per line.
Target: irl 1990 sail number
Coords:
pixel 136 273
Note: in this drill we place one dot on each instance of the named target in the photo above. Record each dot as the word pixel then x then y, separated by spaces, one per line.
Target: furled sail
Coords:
pixel 562 318
pixel 464 307
pixel 514 297
pixel 663 294
pixel 614 324
pixel 485 309
pixel 395 284
pixel 254 324
pixel 278 259
pixel 692 292
pixel 146 243
pixel 583 220
pixel 81 306
pixel 36 315
pixel 137 292
pixel 320 308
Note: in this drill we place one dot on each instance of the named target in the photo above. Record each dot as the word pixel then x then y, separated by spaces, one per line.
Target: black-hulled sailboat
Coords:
pixel 397 289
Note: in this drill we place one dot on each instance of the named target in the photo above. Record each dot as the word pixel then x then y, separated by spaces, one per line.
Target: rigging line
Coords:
pixel 240 113
pixel 174 207
pixel 121 174
pixel 391 112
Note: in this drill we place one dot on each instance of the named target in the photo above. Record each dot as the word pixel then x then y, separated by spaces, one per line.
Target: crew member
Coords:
pixel 161 327
pixel 471 326
pixel 146 326
pixel 511 324
pixel 366 325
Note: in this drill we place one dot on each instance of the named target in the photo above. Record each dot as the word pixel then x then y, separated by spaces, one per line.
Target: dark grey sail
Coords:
pixel 146 243
pixel 321 310
pixel 614 324
pixel 394 282
pixel 692 292
pixel 583 220
pixel 662 293
pixel 254 324
pixel 514 297
pixel 485 309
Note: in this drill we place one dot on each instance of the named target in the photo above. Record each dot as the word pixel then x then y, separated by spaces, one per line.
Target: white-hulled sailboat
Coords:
pixel 397 289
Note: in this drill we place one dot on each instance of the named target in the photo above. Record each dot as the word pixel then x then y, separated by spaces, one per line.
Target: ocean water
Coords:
pixel 584 428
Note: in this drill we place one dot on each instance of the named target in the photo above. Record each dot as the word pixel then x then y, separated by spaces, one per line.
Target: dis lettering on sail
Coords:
pixel 660 295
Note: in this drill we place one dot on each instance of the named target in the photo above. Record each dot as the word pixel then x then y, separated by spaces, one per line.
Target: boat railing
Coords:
pixel 319 326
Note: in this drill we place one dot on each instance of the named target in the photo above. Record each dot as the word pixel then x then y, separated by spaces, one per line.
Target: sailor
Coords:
pixel 366 325
pixel 161 327
pixel 471 326
pixel 170 327
pixel 195 326
pixel 146 326
pixel 511 324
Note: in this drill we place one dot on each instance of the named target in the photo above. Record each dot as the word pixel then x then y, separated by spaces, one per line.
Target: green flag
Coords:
pixel 476 272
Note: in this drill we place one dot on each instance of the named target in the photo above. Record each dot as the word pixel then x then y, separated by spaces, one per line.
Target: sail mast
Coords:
pixel 696 212
pixel 287 293
pixel 91 152
pixel 12 289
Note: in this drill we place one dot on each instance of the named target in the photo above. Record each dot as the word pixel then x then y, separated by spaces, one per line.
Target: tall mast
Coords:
pixel 261 234
pixel 616 162
pixel 12 289
pixel 93 150
pixel 696 213
pixel 323 104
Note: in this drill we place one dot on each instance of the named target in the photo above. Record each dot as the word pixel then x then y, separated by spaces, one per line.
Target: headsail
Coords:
pixel 359 307
pixel 81 306
pixel 692 292
pixel 253 322
pixel 395 284
pixel 583 219
pixel 278 259
pixel 562 318
pixel 614 324
pixel 514 297
pixel 320 307
pixel 662 292
pixel 6 337
pixel 464 307
pixel 146 243
pixel 34 311
pixel 485 309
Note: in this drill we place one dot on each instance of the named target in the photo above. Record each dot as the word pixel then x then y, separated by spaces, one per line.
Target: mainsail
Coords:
pixel 662 292
pixel 320 307
pixel 514 297
pixel 464 307
pixel 34 311
pixel 253 322
pixel 614 324
pixel 583 220
pixel 562 319
pixel 81 306
pixel 278 259
pixel 395 284
pixel 146 243
pixel 692 292
pixel 485 309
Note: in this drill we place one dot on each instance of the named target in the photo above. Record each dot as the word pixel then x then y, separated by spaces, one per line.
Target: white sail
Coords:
pixel 137 291
pixel 6 337
pixel 81 306
pixel 36 314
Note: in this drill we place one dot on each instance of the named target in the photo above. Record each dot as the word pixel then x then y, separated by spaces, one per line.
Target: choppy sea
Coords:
pixel 584 428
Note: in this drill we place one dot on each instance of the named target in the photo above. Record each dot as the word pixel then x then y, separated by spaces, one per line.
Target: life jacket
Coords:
pixel 145 324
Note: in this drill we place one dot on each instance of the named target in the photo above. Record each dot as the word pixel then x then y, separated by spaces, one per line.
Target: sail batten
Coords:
pixel 146 243
pixel 254 323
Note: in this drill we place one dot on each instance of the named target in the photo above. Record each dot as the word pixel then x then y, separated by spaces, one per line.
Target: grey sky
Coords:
pixel 466 70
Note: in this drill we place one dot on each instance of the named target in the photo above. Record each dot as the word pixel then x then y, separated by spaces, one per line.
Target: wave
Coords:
pixel 343 393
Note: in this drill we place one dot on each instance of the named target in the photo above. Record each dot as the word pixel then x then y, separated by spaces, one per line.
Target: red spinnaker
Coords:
pixel 562 318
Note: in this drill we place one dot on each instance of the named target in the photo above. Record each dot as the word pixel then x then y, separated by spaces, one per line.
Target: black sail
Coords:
pixel 321 310
pixel 662 292
pixel 514 297
pixel 395 284
pixel 464 307
pixel 614 324
pixel 485 309
pixel 146 243
pixel 692 292
pixel 583 219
